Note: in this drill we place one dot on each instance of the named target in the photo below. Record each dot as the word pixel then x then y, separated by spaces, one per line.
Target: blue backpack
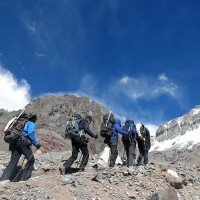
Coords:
pixel 131 128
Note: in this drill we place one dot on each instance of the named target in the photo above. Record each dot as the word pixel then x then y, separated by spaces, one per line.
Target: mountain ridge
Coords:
pixel 179 125
pixel 53 112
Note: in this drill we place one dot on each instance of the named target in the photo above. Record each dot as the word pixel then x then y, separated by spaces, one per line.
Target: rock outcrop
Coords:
pixel 53 112
pixel 180 125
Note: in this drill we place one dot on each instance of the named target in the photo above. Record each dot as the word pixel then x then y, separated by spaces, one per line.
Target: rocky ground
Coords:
pixel 158 180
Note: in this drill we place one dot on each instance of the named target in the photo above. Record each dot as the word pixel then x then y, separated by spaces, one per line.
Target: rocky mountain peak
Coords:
pixel 53 112
pixel 179 126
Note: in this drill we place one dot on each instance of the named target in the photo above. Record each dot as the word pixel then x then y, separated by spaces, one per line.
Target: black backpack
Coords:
pixel 73 126
pixel 14 127
pixel 144 131
pixel 107 125
pixel 145 134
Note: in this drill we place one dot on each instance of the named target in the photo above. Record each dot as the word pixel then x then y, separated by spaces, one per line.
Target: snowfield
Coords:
pixel 188 140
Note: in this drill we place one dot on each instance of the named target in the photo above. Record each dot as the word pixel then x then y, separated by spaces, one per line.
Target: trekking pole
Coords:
pixel 84 161
pixel 21 113
pixel 23 166
pixel 108 118
pixel 19 170
pixel 79 160
pixel 123 157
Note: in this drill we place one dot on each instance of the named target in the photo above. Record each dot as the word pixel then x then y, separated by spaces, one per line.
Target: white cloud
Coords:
pixel 39 54
pixel 31 27
pixel 88 85
pixel 162 77
pixel 146 87
pixel 152 128
pixel 169 89
pixel 137 95
pixel 124 80
pixel 13 95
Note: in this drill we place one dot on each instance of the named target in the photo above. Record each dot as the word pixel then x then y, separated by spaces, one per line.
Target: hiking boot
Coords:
pixel 131 170
pixel 81 169
pixel 145 162
pixel 138 164
pixel 146 165
pixel 62 170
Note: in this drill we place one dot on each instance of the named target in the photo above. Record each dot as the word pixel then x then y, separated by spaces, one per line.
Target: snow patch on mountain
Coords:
pixel 195 111
pixel 188 140
pixel 179 120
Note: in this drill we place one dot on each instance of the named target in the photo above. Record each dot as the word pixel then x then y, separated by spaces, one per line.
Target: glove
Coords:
pixel 141 138
pixel 129 133
pixel 38 146
pixel 96 136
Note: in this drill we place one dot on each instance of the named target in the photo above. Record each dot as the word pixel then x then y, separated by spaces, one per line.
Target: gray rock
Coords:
pixel 125 173
pixel 176 183
pixel 165 194
pixel 47 167
pixel 68 179
pixel 132 196
pixel 81 182
pixel 196 198
pixel 98 177
pixel 4 183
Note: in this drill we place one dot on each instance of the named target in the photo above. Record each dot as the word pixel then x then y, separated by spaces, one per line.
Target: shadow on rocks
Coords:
pixel 71 170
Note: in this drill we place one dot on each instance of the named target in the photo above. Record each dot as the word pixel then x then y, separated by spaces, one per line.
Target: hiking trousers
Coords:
pixel 143 149
pixel 130 151
pixel 113 152
pixel 78 144
pixel 17 150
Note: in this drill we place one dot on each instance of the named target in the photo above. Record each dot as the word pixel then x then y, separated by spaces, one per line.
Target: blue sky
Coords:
pixel 139 58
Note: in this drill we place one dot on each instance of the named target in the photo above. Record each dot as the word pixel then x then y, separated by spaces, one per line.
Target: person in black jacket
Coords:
pixel 129 142
pixel 80 142
pixel 144 143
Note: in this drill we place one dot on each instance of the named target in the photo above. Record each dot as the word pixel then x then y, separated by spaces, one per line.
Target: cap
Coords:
pixel 32 115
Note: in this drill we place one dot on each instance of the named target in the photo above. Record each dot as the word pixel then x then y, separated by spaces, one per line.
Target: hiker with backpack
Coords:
pixel 129 142
pixel 76 130
pixel 21 144
pixel 112 141
pixel 144 143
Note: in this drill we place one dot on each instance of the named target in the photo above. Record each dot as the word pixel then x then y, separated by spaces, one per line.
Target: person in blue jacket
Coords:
pixel 23 146
pixel 112 141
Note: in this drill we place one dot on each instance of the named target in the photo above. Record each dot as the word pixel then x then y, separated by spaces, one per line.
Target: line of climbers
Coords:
pixel 19 133
pixel 132 135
